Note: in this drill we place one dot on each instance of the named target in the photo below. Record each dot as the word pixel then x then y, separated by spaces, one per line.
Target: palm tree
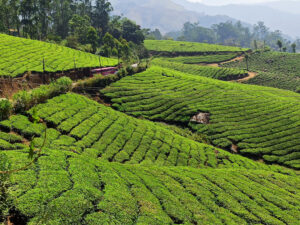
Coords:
pixel 279 43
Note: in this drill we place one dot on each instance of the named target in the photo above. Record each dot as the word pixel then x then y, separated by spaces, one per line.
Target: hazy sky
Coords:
pixel 224 2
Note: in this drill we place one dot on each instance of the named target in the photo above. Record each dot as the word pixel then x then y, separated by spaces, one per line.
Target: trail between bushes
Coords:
pixel 251 75
pixel 239 58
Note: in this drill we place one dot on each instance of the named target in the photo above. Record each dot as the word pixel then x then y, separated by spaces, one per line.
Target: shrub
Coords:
pixel 24 100
pixel 5 109
pixel 4 166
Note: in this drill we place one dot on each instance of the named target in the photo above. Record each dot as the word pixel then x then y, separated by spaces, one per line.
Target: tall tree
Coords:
pixel 44 10
pixel 29 18
pixel 100 15
pixel 279 44
pixel 294 47
pixel 132 32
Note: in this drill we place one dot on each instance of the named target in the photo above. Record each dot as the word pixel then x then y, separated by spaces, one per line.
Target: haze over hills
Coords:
pixel 165 15
pixel 278 15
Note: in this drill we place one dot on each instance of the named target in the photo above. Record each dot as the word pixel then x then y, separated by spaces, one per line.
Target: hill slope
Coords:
pixel 256 121
pixel 66 188
pixel 101 166
pixel 19 55
pixel 163 14
pixel 182 47
pixel 85 126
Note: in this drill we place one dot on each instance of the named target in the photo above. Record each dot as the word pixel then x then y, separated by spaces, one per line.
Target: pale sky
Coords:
pixel 225 2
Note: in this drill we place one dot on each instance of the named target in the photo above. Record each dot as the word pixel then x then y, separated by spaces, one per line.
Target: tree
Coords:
pixel 255 45
pixel 294 47
pixel 108 44
pixel 100 15
pixel 62 11
pixel 125 50
pixel 279 44
pixel 29 19
pixel 284 49
pixel 44 9
pixel 132 32
pixel 79 27
pixel 92 38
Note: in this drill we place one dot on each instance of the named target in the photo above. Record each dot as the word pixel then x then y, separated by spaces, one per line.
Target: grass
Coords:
pixel 205 71
pixel 275 69
pixel 260 122
pixel 188 47
pixel 19 55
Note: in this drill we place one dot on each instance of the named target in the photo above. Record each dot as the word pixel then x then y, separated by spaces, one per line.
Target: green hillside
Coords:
pixel 19 55
pixel 195 47
pixel 101 166
pixel 205 71
pixel 255 121
pixel 203 58
pixel 275 69
pixel 68 188
pixel 84 126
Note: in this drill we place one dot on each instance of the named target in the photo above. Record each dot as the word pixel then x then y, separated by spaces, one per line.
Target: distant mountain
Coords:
pixel 287 6
pixel 165 15
pixel 280 15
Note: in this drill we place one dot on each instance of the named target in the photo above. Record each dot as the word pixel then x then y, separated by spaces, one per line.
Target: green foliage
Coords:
pixel 5 109
pixel 20 55
pixel 4 205
pixel 24 100
pixel 89 172
pixel 205 71
pixel 276 69
pixel 76 189
pixel 188 47
pixel 215 58
pixel 262 122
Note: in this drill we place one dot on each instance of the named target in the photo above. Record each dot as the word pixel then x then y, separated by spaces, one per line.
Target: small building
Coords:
pixel 105 71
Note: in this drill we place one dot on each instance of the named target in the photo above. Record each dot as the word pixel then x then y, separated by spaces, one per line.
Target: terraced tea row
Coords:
pixel 255 121
pixel 188 47
pixel 67 188
pixel 19 55
pixel 205 71
pixel 203 58
pixel 82 125
pixel 280 70
pixel 283 81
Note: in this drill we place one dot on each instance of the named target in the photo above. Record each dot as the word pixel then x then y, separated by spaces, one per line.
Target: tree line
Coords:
pixel 80 24
pixel 230 33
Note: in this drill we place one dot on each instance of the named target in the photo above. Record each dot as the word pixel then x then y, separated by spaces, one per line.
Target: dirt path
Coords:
pixel 251 75
pixel 239 58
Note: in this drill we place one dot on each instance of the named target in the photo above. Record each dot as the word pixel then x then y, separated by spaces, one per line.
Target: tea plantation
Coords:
pixel 98 165
pixel 205 71
pixel 69 188
pixel 275 69
pixel 218 58
pixel 19 55
pixel 260 122
pixel 101 166
pixel 84 126
pixel 185 47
